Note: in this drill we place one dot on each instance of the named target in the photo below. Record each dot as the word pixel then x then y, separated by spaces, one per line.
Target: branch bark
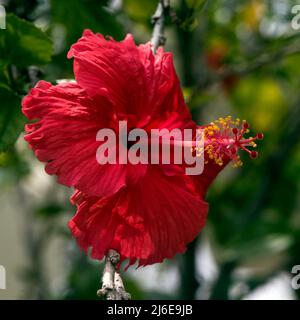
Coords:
pixel 112 283
pixel 158 19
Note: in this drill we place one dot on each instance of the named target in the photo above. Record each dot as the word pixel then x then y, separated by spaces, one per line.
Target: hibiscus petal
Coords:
pixel 65 137
pixel 151 221
pixel 130 76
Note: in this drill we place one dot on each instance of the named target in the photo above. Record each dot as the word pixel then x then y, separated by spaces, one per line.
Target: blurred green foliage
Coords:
pixel 233 57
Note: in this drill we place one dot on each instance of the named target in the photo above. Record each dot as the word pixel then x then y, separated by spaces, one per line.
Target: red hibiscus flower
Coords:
pixel 146 212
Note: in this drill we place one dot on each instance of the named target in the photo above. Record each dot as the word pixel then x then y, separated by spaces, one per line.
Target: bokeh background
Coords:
pixel 233 57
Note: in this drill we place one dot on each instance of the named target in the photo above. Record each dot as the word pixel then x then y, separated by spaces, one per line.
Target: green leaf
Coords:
pixel 11 119
pixel 23 44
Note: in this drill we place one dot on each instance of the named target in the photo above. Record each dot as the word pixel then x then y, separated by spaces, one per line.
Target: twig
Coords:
pixel 107 289
pixel 158 19
pixel 112 284
pixel 121 293
pixel 34 75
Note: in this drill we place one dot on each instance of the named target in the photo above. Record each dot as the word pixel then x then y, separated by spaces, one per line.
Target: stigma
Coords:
pixel 224 138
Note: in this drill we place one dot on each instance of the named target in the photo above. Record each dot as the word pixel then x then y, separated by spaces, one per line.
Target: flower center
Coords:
pixel 224 137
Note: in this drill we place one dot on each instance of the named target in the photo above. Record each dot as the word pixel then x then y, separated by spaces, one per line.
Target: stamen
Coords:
pixel 233 150
pixel 245 125
pixel 260 136
pixel 254 154
pixel 235 131
pixel 224 137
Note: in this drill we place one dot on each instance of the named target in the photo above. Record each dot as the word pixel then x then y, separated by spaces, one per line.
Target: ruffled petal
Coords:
pixel 134 80
pixel 153 220
pixel 65 137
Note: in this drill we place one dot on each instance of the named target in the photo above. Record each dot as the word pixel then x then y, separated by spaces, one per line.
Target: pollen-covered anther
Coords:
pixel 224 137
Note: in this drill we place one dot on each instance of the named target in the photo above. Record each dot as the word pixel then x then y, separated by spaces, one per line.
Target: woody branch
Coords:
pixel 158 20
pixel 112 284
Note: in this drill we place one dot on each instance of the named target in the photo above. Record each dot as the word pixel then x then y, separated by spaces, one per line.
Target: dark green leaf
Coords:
pixel 11 118
pixel 23 44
